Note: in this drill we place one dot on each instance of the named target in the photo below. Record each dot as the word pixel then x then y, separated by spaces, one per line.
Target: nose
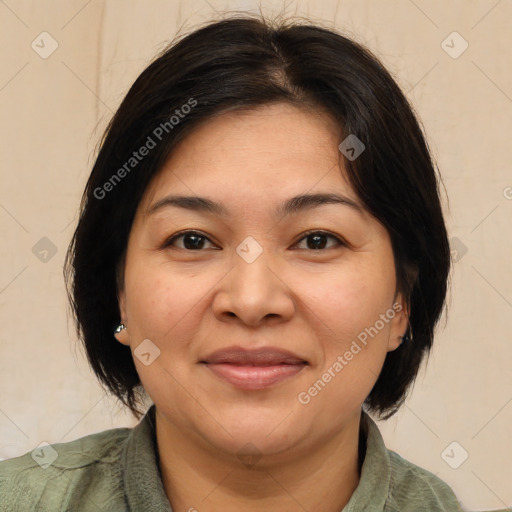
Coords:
pixel 254 293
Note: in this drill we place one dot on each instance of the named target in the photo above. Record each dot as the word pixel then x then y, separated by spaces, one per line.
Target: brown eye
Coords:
pixel 317 240
pixel 191 240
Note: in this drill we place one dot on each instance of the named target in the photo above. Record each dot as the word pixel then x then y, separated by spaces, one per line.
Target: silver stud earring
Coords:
pixel 119 328
pixel 408 335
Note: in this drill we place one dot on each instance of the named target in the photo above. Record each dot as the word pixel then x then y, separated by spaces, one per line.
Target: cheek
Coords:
pixel 160 298
pixel 350 299
pixel 353 351
pixel 349 304
pixel 161 307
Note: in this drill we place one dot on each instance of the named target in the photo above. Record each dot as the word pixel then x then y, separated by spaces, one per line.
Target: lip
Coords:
pixel 254 369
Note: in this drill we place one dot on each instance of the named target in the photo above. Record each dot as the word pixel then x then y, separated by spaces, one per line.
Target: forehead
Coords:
pixel 266 153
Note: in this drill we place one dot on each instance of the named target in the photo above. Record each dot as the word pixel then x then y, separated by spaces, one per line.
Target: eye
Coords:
pixel 318 240
pixel 195 241
pixel 192 240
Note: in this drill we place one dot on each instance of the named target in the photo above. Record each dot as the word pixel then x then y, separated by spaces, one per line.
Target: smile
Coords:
pixel 255 369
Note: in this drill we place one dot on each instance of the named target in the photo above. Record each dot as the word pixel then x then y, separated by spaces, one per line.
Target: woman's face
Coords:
pixel 252 330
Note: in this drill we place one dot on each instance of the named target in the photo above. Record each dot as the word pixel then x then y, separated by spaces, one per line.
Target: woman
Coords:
pixel 261 250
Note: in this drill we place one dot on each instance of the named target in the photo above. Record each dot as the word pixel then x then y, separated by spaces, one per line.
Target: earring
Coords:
pixel 407 337
pixel 119 328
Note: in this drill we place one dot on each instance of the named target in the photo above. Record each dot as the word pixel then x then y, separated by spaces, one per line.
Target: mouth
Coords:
pixel 254 369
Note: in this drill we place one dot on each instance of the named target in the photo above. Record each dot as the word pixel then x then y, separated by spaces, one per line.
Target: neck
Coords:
pixel 196 476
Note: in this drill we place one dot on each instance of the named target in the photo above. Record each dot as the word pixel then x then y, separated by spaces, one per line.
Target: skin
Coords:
pixel 313 302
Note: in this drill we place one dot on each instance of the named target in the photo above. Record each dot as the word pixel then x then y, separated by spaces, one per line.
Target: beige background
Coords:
pixel 53 111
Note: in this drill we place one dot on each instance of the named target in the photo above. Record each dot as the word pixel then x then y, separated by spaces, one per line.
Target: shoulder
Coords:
pixel 415 488
pixel 56 476
pixel 397 484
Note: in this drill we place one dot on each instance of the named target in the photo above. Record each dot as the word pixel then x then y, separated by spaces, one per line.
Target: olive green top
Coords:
pixel 117 470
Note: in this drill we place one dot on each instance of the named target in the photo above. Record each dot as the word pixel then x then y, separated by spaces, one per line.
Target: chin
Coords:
pixel 265 431
pixel 257 446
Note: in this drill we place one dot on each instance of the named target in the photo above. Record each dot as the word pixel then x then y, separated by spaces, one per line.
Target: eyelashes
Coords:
pixel 318 235
pixel 195 240
pixel 194 235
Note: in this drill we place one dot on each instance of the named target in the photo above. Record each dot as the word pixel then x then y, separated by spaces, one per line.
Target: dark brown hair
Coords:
pixel 242 62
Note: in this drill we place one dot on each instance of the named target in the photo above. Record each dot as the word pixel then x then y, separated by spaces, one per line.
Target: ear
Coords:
pixel 399 322
pixel 122 336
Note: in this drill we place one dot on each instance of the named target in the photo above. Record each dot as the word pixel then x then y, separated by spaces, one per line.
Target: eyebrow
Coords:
pixel 290 206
